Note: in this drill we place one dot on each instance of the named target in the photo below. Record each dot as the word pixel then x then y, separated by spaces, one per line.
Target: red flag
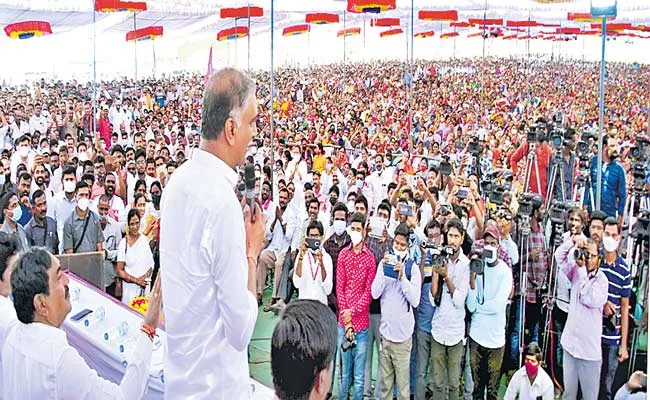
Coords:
pixel 210 71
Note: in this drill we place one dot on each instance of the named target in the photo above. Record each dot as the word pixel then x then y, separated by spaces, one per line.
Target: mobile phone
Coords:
pixel 377 226
pixel 81 314
pixel 462 194
pixel 405 209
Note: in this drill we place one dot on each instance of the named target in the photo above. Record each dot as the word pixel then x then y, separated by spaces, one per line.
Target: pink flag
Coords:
pixel 210 71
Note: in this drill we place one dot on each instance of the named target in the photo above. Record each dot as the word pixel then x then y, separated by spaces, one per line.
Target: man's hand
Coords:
pixel 319 257
pixel 442 271
pixel 303 250
pixel 152 317
pixel 399 268
pixel 278 213
pixel 346 315
pixel 610 309
pixel 622 354
pixel 634 383
pixel 254 225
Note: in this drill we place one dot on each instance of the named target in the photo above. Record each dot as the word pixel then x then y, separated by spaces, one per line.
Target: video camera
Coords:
pixel 639 154
pixel 526 201
pixel 477 264
pixel 496 194
pixel 586 140
pixel 439 254
pixel 561 137
pixel 537 132
pixel 558 212
pixel 642 228
pixel 445 166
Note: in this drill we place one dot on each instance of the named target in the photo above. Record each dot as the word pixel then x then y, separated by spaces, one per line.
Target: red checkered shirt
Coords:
pixel 354 276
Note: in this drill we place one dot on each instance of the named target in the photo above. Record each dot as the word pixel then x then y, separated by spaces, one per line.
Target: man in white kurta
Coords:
pixel 204 252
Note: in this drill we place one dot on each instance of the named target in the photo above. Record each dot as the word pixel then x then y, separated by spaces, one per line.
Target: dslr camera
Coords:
pixel 445 166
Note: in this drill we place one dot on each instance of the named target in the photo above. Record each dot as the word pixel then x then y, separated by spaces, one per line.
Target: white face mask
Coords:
pixel 339 227
pixel 350 205
pixel 82 203
pixel 23 151
pixel 356 237
pixel 69 186
pixel 493 256
pixel 610 244
pixel 400 254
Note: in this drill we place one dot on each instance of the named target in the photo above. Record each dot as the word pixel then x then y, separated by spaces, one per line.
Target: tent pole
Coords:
pixel 236 42
pixel 248 62
pixel 272 86
pixel 93 120
pixel 135 49
pixel 344 32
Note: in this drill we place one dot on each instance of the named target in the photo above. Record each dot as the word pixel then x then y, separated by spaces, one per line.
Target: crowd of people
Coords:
pixel 421 210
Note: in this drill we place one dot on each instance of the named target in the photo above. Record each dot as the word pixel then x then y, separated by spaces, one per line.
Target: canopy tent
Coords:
pixel 191 28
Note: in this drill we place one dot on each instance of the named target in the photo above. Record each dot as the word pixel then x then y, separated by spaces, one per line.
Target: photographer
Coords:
pixel 425 311
pixel 575 224
pixel 535 263
pixel 449 285
pixel 397 285
pixel 616 312
pixel 581 337
pixel 488 307
pixel 312 275
pixel 614 187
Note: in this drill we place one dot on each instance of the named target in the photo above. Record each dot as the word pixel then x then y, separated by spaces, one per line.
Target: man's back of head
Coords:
pixel 302 351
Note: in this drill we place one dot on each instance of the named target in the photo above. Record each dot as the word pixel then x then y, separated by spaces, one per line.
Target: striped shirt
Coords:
pixel 536 269
pixel 620 285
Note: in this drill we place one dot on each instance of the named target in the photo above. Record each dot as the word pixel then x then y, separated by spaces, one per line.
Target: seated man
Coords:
pixel 302 351
pixel 37 361
pixel 531 382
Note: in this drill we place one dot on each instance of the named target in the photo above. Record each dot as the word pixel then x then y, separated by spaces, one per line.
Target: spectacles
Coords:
pixel 589 256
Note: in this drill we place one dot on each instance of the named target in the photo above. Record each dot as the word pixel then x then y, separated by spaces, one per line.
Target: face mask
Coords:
pixel 359 183
pixel 493 254
pixel 155 199
pixel 399 254
pixel 333 200
pixel 2 180
pixel 69 186
pixel 83 156
pixel 295 156
pixel 83 203
pixel 465 222
pixel 253 150
pixel 356 237
pixel 531 369
pixel 350 205
pixel 339 227
pixel 17 213
pixel 610 244
pixel 23 151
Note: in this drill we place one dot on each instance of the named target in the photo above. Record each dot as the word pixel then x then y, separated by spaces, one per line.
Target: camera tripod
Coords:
pixel 557 172
pixel 531 162
pixel 524 229
pixel 583 183
pixel 628 211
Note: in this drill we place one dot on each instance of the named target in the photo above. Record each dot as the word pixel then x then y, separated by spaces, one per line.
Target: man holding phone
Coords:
pixel 398 282
pixel 312 275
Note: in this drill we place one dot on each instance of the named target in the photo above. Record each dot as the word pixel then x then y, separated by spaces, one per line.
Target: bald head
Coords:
pixel 225 96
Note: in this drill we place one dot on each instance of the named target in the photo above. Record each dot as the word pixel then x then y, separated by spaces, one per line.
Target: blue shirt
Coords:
pixel 614 190
pixel 425 309
pixel 620 285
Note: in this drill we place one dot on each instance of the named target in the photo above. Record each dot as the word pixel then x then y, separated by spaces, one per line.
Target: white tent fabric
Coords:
pixel 191 27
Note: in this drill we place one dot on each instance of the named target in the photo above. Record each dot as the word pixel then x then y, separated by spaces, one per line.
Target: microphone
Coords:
pixel 249 182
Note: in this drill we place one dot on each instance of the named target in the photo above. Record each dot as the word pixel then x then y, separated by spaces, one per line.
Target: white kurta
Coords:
pixel 137 260
pixel 209 311
pixel 39 364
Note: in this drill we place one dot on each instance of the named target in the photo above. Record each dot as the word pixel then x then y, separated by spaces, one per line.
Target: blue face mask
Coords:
pixel 359 183
pixel 17 213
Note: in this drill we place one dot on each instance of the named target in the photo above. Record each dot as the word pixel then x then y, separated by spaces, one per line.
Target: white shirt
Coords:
pixel 379 183
pixel 38 123
pixel 204 280
pixel 63 208
pixel 448 323
pixel 39 364
pixel 520 387
pixel 8 320
pixel 310 287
